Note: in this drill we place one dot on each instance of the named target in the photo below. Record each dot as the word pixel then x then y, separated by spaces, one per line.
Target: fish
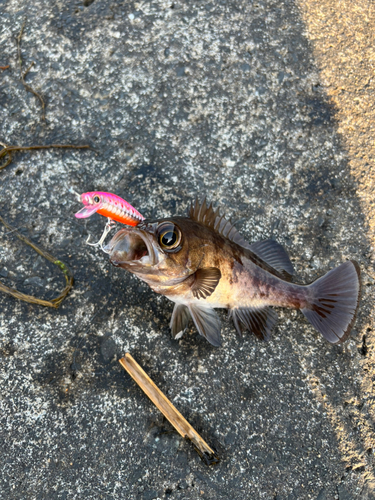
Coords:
pixel 202 263
pixel 109 205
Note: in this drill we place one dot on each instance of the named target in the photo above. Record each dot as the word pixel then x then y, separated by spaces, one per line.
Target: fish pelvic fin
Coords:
pixel 207 323
pixel 259 321
pixel 179 321
pixel 334 301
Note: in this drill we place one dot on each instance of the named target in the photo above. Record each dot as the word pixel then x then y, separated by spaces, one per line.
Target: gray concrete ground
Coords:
pixel 179 99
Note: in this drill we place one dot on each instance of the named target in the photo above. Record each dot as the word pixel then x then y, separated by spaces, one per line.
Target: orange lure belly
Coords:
pixel 124 219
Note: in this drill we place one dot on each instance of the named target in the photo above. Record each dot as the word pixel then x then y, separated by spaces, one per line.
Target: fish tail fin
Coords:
pixel 333 302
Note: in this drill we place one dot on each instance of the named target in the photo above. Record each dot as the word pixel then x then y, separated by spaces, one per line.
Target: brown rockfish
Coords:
pixel 201 262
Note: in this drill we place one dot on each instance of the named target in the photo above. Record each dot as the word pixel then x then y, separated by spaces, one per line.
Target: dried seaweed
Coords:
pixel 30 298
pixel 7 150
pixel 22 75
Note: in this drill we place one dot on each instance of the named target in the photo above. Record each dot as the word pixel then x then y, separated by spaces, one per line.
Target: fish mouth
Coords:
pixel 131 246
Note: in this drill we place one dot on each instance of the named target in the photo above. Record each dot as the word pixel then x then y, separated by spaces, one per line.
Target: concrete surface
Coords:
pixel 178 99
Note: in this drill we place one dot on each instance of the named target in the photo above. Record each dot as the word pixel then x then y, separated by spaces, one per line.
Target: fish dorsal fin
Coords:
pixel 205 282
pixel 259 321
pixel 200 212
pixel 268 254
pixel 275 255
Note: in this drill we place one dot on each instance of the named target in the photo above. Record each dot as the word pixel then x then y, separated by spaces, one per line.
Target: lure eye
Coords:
pixel 96 199
pixel 169 236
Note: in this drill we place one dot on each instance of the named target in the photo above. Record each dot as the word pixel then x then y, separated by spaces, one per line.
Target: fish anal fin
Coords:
pixel 180 320
pixel 259 321
pixel 237 324
pixel 207 323
pixel 275 256
pixel 205 282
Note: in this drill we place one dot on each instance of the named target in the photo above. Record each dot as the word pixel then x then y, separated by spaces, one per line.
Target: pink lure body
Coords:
pixel 110 206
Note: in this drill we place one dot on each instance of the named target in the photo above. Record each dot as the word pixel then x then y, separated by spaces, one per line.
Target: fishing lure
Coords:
pixel 111 206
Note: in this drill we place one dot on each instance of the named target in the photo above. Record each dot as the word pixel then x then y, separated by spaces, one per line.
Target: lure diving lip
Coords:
pixel 109 205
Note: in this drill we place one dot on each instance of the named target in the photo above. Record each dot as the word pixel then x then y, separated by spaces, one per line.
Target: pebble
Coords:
pixel 35 281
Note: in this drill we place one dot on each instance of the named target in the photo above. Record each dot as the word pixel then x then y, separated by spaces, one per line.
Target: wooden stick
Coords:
pixel 159 399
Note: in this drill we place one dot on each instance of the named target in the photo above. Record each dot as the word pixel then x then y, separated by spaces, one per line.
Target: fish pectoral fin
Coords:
pixel 179 321
pixel 259 321
pixel 275 256
pixel 207 322
pixel 205 282
pixel 87 211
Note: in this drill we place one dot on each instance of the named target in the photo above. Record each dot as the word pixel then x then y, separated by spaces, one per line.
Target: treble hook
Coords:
pixel 111 224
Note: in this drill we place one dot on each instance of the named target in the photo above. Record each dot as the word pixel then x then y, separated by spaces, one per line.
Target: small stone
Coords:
pixel 35 281
pixel 38 262
pixel 4 273
pixel 343 493
pixel 150 495
pixel 322 495
pixel 183 485
pixel 108 349
pixel 181 71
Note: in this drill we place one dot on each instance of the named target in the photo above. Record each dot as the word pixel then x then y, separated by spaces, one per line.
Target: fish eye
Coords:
pixel 96 199
pixel 169 236
pixel 168 239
